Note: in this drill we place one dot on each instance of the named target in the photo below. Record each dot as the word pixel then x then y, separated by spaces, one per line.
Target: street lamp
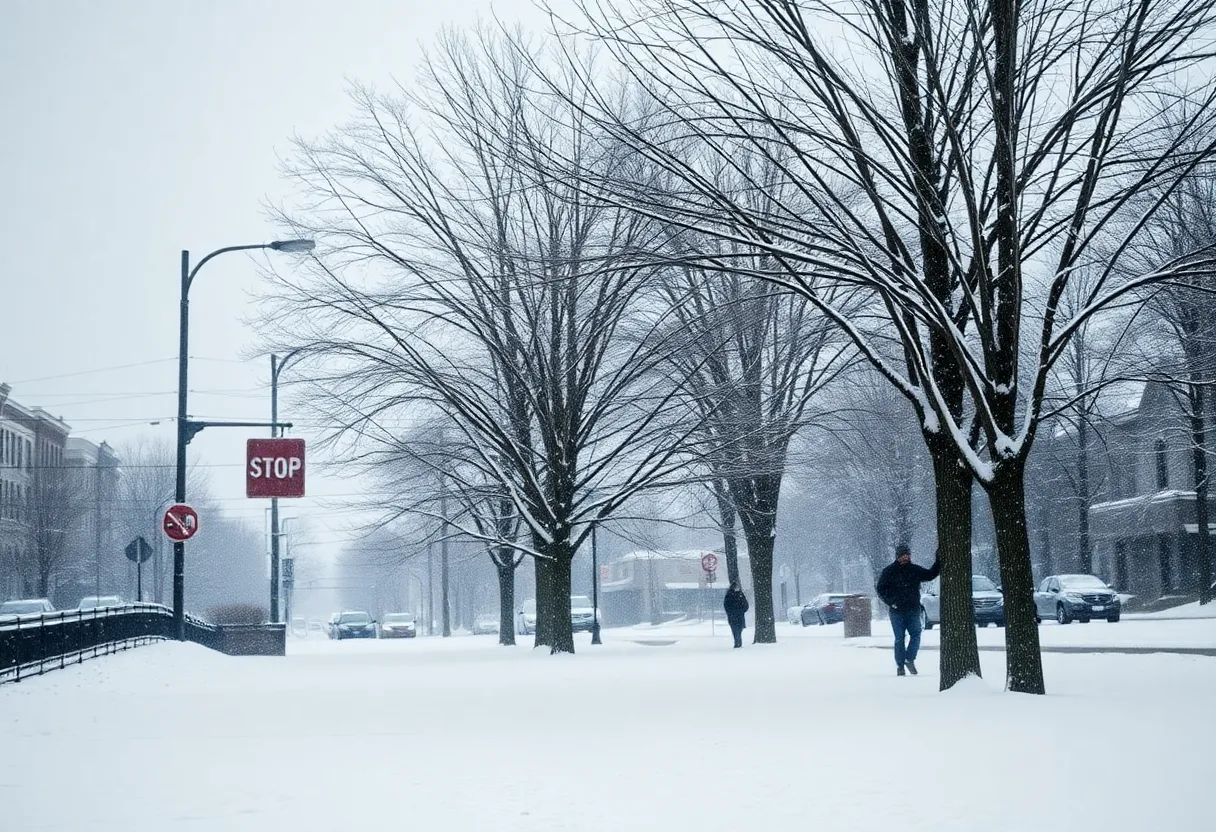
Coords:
pixel 276 367
pixel 595 586
pixel 185 431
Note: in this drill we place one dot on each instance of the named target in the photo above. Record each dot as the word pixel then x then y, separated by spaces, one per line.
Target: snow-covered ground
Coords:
pixel 1192 610
pixel 461 734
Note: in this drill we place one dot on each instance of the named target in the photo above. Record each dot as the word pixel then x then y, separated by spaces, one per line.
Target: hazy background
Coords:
pixel 137 129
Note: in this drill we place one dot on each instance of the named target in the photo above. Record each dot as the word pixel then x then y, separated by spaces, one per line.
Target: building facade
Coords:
pixel 38 505
pixel 1140 512
pixel 654 586
pixel 94 473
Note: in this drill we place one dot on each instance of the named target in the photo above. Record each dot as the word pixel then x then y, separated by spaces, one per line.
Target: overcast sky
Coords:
pixel 136 129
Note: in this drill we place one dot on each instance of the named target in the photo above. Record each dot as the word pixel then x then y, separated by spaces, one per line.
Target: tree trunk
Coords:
pixel 760 552
pixel 1083 544
pixel 730 541
pixel 544 599
pixel 1199 461
pixel 1007 497
pixel 506 599
pixel 558 609
pixel 960 655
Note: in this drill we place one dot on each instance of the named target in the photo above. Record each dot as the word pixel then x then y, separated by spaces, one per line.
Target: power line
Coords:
pixel 116 367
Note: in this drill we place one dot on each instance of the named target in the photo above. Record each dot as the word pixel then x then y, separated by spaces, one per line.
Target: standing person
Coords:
pixel 899 588
pixel 735 604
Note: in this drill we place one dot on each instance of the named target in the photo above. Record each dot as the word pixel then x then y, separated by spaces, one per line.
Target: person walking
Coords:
pixel 735 604
pixel 899 588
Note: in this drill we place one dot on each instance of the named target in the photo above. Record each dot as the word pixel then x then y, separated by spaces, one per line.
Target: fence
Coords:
pixel 31 645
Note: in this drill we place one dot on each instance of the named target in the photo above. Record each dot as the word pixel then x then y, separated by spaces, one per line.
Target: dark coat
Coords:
pixel 899 584
pixel 735 604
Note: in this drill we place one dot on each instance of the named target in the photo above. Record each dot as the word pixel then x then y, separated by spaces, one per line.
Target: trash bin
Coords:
pixel 856 616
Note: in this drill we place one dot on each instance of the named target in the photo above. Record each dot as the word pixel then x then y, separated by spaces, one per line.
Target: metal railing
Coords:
pixel 31 645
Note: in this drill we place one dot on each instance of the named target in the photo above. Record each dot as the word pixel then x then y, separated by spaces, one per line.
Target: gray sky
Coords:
pixel 137 128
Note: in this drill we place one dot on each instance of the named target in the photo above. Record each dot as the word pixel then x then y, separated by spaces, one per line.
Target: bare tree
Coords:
pixel 753 359
pixel 466 274
pixel 145 488
pixel 986 185
pixel 56 502
pixel 1180 338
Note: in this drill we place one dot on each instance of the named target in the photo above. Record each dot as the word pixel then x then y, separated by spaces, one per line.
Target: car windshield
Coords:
pixel 398 618
pixel 21 607
pixel 981 584
pixel 1081 582
pixel 835 599
pixel 354 618
pixel 579 601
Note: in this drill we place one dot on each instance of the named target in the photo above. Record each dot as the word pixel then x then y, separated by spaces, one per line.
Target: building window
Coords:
pixel 1163 468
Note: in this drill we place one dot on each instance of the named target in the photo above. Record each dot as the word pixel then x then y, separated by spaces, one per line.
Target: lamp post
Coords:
pixel 276 367
pixel 185 430
pixel 595 587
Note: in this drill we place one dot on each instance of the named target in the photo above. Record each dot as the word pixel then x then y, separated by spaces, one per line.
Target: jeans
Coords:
pixel 736 630
pixel 906 621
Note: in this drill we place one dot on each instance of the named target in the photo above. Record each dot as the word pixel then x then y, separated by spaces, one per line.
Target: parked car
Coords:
pixel 525 618
pixel 90 602
pixel 827 608
pixel 299 627
pixel 582 614
pixel 987 604
pixel 398 625
pixel 352 624
pixel 316 625
pixel 485 625
pixel 14 610
pixel 1076 597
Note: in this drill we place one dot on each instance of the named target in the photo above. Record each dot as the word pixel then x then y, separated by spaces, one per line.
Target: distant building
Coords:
pixel 654 585
pixel 1141 509
pixel 32 445
pixel 94 471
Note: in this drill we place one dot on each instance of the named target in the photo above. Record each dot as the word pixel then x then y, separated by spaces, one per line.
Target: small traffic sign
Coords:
pixel 180 523
pixel 138 550
pixel 709 562
pixel 274 468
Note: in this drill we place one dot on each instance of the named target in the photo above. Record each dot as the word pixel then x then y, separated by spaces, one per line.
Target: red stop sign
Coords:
pixel 274 468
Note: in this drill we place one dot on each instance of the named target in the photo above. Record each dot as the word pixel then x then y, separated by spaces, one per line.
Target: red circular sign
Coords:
pixel 180 523
pixel 709 562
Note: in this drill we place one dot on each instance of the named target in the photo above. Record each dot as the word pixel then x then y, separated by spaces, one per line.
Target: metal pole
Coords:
pixel 274 501
pixel 139 580
pixel 97 524
pixel 443 558
pixel 595 588
pixel 179 489
pixel 430 588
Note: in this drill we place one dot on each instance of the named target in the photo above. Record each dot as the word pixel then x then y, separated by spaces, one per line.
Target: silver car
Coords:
pixel 1068 598
pixel 987 604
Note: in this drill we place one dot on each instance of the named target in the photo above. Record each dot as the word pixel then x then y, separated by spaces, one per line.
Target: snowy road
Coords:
pixel 464 735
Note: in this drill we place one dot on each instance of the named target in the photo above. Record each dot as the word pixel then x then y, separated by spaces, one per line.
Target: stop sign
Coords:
pixel 274 468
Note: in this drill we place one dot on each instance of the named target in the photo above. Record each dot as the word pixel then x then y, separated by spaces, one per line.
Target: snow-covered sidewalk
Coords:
pixel 462 734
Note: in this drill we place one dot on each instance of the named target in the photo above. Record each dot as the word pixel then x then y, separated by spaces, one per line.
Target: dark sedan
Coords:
pixel 1069 598
pixel 353 625
pixel 827 608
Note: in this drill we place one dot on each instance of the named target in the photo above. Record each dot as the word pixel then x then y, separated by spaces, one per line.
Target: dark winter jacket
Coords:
pixel 899 584
pixel 735 604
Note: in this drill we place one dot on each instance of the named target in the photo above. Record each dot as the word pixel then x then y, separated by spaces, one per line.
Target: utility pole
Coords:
pixel 97 523
pixel 430 587
pixel 443 557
